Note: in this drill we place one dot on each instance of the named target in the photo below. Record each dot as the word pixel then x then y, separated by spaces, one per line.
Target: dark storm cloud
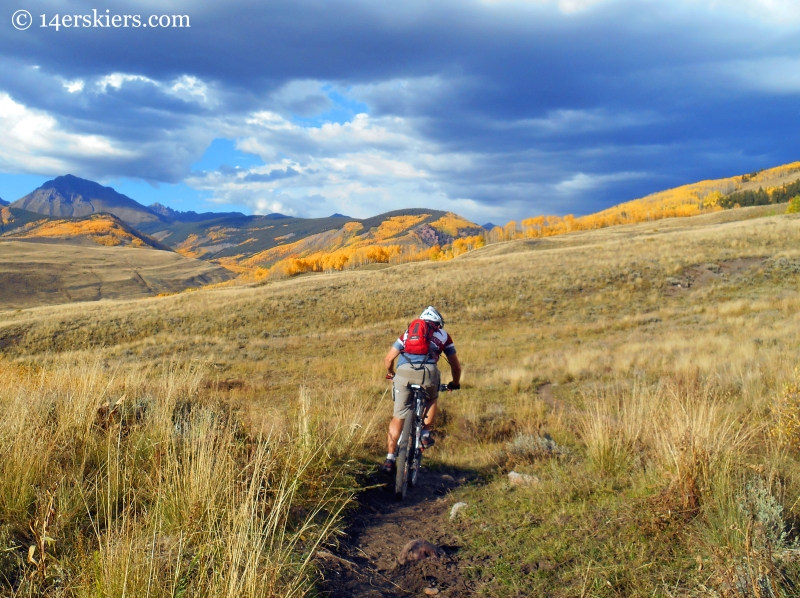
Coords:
pixel 559 112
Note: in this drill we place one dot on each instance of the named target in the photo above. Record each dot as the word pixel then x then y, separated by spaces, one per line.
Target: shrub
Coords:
pixel 794 205
pixel 530 447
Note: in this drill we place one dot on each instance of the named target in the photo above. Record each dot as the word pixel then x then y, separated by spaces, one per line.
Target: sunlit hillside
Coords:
pixel 688 200
pixel 328 244
pixel 100 229
pixel 275 246
pixel 395 239
pixel 643 377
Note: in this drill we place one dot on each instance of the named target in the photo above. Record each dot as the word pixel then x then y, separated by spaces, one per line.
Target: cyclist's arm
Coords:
pixel 455 368
pixel 388 361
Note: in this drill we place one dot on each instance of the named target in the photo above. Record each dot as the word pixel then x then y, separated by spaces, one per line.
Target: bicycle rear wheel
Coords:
pixel 416 465
pixel 416 454
pixel 405 454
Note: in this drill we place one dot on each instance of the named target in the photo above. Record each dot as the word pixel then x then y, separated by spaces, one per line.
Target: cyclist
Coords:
pixel 418 369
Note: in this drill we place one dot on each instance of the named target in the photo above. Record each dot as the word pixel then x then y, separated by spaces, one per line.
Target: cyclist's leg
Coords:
pixel 430 415
pixel 432 388
pixel 395 428
pixel 404 376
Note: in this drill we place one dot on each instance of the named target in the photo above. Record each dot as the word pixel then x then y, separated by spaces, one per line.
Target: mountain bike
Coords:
pixel 409 447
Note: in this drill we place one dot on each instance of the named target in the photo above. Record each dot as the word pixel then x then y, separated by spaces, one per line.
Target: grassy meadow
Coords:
pixel 206 443
pixel 52 271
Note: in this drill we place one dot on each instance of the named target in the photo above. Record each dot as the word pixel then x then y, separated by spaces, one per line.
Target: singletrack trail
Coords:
pixel 365 563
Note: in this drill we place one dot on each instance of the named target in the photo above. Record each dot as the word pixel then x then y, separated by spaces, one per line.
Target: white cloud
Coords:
pixel 360 167
pixel 75 86
pixel 582 182
pixel 185 87
pixel 189 89
pixel 117 80
pixel 34 142
pixel 368 165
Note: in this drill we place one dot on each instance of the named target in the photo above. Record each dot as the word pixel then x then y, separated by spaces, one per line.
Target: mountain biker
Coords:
pixel 418 369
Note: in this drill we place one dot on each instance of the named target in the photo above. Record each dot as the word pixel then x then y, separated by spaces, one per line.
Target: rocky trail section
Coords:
pixel 377 558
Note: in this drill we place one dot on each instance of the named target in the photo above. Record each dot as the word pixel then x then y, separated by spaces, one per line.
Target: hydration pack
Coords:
pixel 418 340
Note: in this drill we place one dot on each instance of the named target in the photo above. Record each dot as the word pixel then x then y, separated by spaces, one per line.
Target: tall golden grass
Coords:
pixel 138 482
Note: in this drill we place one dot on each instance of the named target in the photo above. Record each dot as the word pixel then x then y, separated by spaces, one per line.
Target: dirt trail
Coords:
pixel 365 564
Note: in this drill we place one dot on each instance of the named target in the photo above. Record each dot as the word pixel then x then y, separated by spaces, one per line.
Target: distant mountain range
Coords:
pixel 3 202
pixel 72 210
pixel 77 210
pixel 176 216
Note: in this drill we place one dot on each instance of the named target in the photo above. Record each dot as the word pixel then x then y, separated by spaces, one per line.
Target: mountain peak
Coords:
pixel 162 210
pixel 3 202
pixel 69 196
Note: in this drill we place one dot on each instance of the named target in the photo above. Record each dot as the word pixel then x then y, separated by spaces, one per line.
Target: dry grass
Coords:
pixel 656 356
pixel 35 273
pixel 136 482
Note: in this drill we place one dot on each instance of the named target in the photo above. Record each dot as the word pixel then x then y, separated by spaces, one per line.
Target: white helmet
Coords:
pixel 431 314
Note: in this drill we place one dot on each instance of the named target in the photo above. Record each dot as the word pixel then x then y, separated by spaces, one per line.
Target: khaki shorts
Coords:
pixel 427 376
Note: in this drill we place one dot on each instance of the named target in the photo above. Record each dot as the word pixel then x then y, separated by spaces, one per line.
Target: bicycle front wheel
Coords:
pixel 405 455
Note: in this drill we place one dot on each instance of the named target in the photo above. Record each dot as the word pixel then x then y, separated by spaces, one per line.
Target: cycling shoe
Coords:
pixel 427 441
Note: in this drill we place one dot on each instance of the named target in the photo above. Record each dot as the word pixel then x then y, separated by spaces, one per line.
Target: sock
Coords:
pixel 391 456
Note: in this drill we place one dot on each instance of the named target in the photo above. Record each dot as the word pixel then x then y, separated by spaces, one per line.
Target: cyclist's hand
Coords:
pixel 453 386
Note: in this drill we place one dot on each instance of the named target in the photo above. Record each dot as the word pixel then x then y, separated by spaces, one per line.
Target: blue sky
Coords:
pixel 495 109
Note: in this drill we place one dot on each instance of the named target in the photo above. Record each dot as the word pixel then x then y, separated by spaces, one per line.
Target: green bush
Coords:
pixel 794 205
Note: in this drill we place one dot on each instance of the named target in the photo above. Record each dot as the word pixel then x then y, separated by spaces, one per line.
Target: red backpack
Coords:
pixel 418 341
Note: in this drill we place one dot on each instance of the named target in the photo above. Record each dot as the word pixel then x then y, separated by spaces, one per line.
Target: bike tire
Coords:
pixel 416 465
pixel 404 458
pixel 416 456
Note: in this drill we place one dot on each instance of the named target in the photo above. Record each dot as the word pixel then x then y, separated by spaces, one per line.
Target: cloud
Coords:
pixel 272 175
pixel 75 86
pixel 33 142
pixel 495 108
pixel 582 183
pixel 116 80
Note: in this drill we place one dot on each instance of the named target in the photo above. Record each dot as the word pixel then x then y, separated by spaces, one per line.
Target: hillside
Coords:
pixel 72 197
pixel 686 200
pixel 260 246
pixel 643 377
pixel 14 219
pixel 97 229
pixel 275 245
pixel 36 272
pixel 248 242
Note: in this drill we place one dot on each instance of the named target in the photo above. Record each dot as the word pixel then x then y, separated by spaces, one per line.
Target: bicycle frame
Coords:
pixel 409 453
